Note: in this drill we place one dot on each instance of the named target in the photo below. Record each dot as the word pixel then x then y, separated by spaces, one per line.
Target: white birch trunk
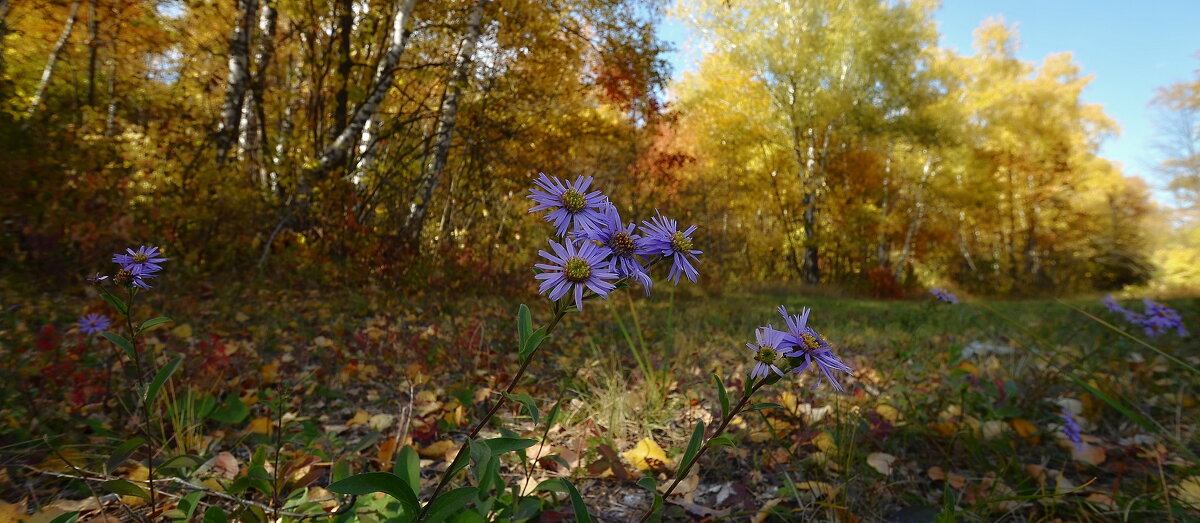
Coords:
pixel 445 130
pixel 348 137
pixel 48 71
pixel 237 80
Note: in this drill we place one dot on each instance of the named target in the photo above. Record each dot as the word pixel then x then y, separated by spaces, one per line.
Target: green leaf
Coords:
pixel 215 514
pixel 188 504
pixel 648 483
pixel 181 461
pixel 121 342
pixel 122 453
pixel 524 328
pixel 233 412
pixel 692 449
pixel 722 396
pixel 447 504
pixel 116 302
pixel 125 488
pixel 535 340
pixel 460 461
pixel 764 406
pixel 161 378
pixel 552 416
pixel 372 482
pixel 581 513
pixel 721 441
pixel 153 322
pixel 500 446
pixel 69 517
pixel 408 466
pixel 527 401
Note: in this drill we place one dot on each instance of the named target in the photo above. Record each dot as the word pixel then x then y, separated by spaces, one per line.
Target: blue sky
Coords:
pixel 1131 47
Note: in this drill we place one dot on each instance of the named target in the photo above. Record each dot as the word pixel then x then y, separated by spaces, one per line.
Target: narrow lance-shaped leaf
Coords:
pixel 692 449
pixel 161 378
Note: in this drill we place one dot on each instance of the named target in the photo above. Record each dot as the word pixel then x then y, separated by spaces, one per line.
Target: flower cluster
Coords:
pixel 94 324
pixel 775 350
pixel 942 295
pixel 597 248
pixel 136 267
pixel 1157 318
pixel 1071 428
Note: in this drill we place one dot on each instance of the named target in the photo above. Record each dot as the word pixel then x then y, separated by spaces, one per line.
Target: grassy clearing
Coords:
pixel 952 413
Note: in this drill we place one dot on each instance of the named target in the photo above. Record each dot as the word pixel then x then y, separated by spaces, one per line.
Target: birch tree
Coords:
pixel 448 116
pixel 57 50
pixel 238 78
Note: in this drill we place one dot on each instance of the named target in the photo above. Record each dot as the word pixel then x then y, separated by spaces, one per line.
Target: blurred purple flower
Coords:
pixel 942 295
pixel 1157 319
pixel 767 352
pixel 619 240
pixel 811 347
pixel 94 324
pixel 575 268
pixel 573 208
pixel 663 237
pixel 96 278
pixel 146 258
pixel 1071 428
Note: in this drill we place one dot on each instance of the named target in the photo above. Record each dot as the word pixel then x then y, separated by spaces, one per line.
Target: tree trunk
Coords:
pixel 348 137
pixel 881 243
pixel 3 31
pixel 445 129
pixel 237 80
pixel 93 48
pixel 342 98
pixel 918 216
pixel 254 141
pixel 52 60
pixel 110 118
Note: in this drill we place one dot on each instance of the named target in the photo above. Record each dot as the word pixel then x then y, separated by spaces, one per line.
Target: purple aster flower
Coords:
pixel 574 268
pixel 134 275
pixel 942 295
pixel 573 207
pixel 811 347
pixel 148 258
pixel 96 278
pixel 664 237
pixel 767 352
pixel 94 324
pixel 621 243
pixel 1071 428
pixel 1111 304
pixel 1160 318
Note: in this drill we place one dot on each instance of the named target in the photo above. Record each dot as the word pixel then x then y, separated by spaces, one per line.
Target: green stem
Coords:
pixel 720 429
pixel 512 385
pixel 141 379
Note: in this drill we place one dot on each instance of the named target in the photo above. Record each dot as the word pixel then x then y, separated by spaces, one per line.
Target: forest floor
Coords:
pixel 953 412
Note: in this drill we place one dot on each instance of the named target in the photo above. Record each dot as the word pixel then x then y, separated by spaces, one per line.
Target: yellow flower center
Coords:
pixel 766 355
pixel 577 269
pixel 573 201
pixel 622 244
pixel 680 243
pixel 122 276
pixel 141 257
pixel 810 341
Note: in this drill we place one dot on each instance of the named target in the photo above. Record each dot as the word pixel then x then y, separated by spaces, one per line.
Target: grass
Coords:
pixel 959 437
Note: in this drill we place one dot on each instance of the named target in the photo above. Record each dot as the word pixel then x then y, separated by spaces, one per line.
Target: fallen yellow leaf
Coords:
pixel 1188 491
pixel 261 426
pixel 12 511
pixel 360 418
pixel 182 331
pixel 647 455
pixel 881 462
pixel 969 368
pixel 819 487
pixel 436 449
pixel 824 441
pixel 888 412
pixel 1024 429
